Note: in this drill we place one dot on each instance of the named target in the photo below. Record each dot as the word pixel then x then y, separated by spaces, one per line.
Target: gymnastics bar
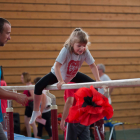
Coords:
pixel 112 83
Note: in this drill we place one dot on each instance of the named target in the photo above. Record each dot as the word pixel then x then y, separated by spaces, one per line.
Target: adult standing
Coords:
pixel 105 77
pixel 5 30
pixel 3 102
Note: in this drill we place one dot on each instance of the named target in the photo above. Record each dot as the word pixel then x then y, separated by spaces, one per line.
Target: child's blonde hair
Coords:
pixel 77 36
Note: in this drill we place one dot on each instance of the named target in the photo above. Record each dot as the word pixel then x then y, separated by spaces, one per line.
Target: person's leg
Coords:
pixel 47 117
pixel 71 131
pixel 81 78
pixel 39 128
pixel 34 129
pixel 40 85
pixel 28 128
pixel 92 131
pixel 2 134
pixel 83 132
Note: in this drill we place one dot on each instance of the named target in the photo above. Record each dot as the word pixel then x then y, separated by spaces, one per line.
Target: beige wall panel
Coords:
pixel 112 31
pixel 28 63
pixel 89 2
pixel 115 39
pixel 73 23
pixel 41 31
pixel 61 39
pixel 39 39
pixel 126 90
pixel 116 61
pixel 34 7
pixel 128 113
pixel 125 98
pixel 58 47
pixel 103 16
pixel 105 23
pixel 104 9
pixel 67 8
pixel 49 62
pixel 38 1
pixel 67 31
pixel 35 15
pixel 127 105
pixel 50 54
pixel 29 54
pixel 107 2
pixel 32 70
pixel 39 23
pixel 31 47
pixel 74 16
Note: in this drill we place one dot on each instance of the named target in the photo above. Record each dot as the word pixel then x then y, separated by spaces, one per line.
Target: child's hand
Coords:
pixel 98 80
pixel 59 84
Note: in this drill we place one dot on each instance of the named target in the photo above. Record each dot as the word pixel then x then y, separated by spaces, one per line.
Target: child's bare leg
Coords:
pixel 36 112
pixel 37 100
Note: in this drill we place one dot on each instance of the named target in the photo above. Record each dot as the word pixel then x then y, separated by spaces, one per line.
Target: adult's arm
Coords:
pixel 20 98
pixel 67 106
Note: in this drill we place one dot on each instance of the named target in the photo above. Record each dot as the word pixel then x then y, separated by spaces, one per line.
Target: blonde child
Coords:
pixel 67 65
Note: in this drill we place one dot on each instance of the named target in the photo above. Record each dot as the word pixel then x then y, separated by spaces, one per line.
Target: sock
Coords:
pixel 35 114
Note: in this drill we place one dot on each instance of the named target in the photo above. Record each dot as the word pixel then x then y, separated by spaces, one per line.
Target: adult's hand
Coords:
pixel 62 125
pixel 21 98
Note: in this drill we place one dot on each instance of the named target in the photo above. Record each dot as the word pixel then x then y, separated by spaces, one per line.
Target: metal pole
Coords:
pixel 10 123
pixel 54 120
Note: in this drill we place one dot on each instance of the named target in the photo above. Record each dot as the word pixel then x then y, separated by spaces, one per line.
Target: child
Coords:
pixel 72 130
pixel 26 79
pixel 66 68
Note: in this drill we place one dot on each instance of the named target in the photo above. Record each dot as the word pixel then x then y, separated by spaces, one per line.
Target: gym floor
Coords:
pixel 133 134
